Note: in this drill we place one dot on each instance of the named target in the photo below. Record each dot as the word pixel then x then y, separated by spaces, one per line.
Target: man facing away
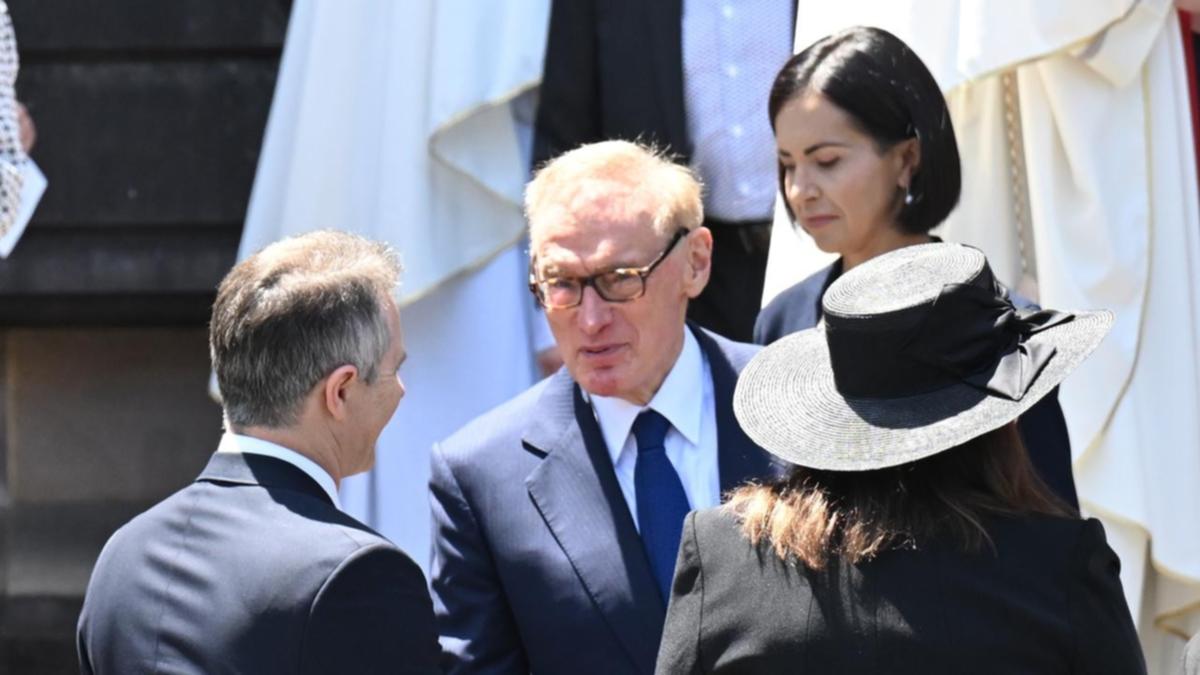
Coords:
pixel 557 516
pixel 253 568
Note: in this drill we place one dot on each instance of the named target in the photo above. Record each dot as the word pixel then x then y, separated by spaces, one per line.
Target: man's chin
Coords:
pixel 601 385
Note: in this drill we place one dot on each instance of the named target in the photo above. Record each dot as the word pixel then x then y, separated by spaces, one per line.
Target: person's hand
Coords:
pixel 26 127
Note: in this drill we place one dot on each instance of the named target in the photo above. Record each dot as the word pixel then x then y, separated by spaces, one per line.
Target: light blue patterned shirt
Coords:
pixel 732 50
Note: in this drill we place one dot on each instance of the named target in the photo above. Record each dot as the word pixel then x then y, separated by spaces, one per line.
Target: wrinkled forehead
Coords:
pixel 592 201
pixel 594 218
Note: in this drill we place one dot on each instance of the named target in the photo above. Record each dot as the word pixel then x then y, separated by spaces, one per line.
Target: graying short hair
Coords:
pixel 646 172
pixel 294 312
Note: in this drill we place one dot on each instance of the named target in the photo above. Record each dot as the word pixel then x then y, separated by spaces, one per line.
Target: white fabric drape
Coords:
pixel 1100 86
pixel 394 120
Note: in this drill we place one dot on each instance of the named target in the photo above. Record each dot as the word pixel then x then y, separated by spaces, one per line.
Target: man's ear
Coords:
pixel 335 390
pixel 699 243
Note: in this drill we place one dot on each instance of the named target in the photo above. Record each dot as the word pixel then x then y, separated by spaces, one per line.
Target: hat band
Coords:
pixel 967 335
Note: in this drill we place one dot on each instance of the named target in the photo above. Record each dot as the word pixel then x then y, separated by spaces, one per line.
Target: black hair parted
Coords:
pixel 889 93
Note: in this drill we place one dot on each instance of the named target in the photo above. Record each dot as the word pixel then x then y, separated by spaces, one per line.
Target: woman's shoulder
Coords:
pixel 1067 539
pixel 717 534
pixel 1045 525
pixel 795 308
pixel 716 522
pixel 1038 536
pixel 808 288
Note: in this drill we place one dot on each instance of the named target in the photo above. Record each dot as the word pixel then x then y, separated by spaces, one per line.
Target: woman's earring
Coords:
pixel 908 198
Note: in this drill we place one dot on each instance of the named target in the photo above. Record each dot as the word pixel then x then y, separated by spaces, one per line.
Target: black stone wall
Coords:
pixel 150 115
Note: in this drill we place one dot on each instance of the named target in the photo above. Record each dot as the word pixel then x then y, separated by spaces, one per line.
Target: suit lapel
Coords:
pixel 576 491
pixel 738 458
pixel 665 21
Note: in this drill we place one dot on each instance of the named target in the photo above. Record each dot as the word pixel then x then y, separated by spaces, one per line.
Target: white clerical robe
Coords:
pixel 395 120
pixel 1101 138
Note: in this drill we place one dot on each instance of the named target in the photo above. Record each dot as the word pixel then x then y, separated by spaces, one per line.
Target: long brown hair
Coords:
pixel 813 515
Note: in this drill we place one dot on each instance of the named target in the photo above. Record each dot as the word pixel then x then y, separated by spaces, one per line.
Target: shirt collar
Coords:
pixel 237 443
pixel 678 399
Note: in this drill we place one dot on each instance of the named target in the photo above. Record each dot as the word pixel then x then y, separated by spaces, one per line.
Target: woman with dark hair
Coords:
pixel 868 163
pixel 912 534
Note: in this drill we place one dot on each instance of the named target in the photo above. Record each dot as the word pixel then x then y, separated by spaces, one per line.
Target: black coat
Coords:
pixel 251 569
pixel 1048 600
pixel 1043 428
pixel 613 69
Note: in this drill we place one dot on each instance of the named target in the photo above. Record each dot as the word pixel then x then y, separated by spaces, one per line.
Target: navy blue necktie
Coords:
pixel 661 501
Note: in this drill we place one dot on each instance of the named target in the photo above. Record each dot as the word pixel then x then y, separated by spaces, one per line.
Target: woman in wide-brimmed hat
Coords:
pixel 913 535
pixel 868 163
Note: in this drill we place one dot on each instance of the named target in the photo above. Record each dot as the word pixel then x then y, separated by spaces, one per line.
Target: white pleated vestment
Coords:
pixel 394 120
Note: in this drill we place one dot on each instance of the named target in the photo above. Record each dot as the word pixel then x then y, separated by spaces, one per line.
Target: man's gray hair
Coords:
pixel 646 174
pixel 294 312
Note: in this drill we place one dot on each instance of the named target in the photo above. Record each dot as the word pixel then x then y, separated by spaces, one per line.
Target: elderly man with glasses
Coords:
pixel 557 516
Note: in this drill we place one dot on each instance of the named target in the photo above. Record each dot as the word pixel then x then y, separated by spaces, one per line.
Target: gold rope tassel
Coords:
pixel 1027 285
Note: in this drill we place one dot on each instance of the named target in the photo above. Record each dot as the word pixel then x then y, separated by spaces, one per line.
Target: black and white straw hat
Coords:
pixel 920 350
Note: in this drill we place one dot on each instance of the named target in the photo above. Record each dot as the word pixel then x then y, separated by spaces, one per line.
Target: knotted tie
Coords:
pixel 661 501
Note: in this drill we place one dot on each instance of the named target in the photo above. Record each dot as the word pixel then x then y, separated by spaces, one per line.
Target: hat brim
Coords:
pixel 787 403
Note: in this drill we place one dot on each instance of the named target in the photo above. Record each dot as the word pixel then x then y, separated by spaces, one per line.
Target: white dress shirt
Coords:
pixel 686 400
pixel 732 50
pixel 249 445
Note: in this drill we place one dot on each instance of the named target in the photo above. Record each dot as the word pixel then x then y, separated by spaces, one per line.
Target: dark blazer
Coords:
pixel 537 564
pixel 1043 427
pixel 251 569
pixel 1047 601
pixel 613 69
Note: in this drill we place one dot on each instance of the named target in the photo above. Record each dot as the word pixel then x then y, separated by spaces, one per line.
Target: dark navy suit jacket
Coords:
pixel 251 569
pixel 1042 427
pixel 537 564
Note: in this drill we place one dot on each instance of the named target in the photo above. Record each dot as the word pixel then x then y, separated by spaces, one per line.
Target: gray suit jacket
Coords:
pixel 251 569
pixel 537 564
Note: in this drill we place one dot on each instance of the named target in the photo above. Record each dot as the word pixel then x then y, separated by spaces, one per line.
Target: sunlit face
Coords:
pixel 379 399
pixel 624 349
pixel 844 192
